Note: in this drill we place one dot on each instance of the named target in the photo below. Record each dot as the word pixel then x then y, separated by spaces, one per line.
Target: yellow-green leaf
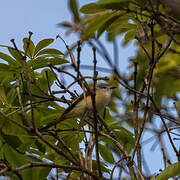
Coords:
pixel 49 51
pixel 29 47
pixel 106 153
pixel 170 171
pixel 43 61
pixel 7 58
pixel 42 44
pixel 92 8
pixel 97 23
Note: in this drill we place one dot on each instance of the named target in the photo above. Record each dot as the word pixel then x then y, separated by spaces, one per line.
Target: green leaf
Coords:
pixel 170 171
pixel 16 54
pixel 177 106
pixel 31 47
pixel 40 146
pixel 3 97
pixel 43 61
pixel 121 24
pixel 36 117
pixel 13 157
pixel 36 173
pixel 4 67
pixel 106 153
pixel 107 24
pixel 11 140
pixel 92 8
pixel 130 35
pixel 96 23
pixel 74 9
pixel 7 58
pixel 49 51
pixel 143 4
pixel 114 4
pixel 124 136
pixel 48 118
pixel 51 76
pixel 111 36
pixel 42 44
pixel 12 96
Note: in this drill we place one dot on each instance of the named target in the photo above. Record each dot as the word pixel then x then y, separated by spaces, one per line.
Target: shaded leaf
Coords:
pixel 143 4
pixel 124 136
pixel 36 173
pixel 3 98
pixel 40 146
pixel 11 140
pixel 13 157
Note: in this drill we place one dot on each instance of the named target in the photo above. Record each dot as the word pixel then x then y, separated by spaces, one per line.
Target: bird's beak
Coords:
pixel 113 87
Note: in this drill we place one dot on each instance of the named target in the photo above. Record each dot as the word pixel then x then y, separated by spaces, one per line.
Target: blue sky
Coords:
pixel 17 17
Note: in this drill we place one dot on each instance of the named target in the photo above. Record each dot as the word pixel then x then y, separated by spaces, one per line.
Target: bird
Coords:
pixel 102 98
pixel 84 103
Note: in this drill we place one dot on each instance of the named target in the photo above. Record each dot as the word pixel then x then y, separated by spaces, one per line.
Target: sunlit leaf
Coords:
pixel 130 35
pixel 96 23
pixel 7 58
pixel 49 51
pixel 16 54
pixel 92 8
pixel 29 47
pixel 43 61
pixel 3 97
pixel 170 171
pixel 42 44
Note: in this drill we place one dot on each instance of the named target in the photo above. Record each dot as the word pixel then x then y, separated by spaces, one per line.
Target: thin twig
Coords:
pixel 135 117
pixel 52 165
pixel 93 97
pixel 20 101
pixel 55 148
